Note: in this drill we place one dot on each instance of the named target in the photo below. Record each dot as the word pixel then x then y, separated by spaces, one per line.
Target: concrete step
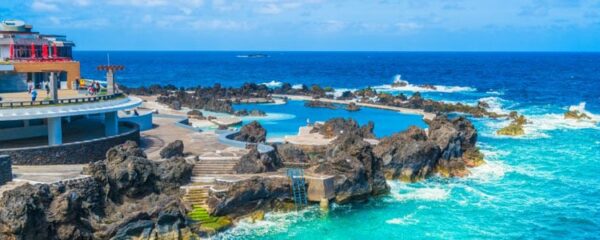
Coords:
pixel 214 166
pixel 213 172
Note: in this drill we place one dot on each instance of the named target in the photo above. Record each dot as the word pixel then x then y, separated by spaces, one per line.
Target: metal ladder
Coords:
pixel 296 176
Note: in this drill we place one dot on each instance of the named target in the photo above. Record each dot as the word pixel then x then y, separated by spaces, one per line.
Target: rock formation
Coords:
pixel 352 107
pixel 126 197
pixel 515 128
pixel 319 104
pixel 255 162
pixel 173 149
pixel 577 115
pixel 448 149
pixel 196 114
pixel 336 126
pixel 358 172
pixel 252 132
pixel 248 195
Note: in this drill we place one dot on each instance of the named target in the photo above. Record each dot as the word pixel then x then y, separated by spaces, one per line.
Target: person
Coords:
pixel 81 83
pixel 33 95
pixel 47 86
pixel 29 86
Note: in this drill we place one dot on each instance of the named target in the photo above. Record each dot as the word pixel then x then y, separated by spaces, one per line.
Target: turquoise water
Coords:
pixel 285 119
pixel 543 185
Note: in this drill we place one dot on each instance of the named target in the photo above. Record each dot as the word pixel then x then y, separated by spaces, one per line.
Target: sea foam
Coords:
pixel 415 88
pixel 273 84
pixel 404 192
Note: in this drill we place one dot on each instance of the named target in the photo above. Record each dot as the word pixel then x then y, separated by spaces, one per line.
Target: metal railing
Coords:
pixel 20 104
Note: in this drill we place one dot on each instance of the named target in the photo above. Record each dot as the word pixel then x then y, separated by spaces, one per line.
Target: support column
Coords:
pixel 110 82
pixel 111 123
pixel 54 131
pixel 53 84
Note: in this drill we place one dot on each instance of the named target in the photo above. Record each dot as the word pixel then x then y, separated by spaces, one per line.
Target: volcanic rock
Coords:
pixel 173 149
pixel 252 132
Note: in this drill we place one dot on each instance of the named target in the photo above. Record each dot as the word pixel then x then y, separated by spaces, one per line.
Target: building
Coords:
pixel 30 56
pixel 65 124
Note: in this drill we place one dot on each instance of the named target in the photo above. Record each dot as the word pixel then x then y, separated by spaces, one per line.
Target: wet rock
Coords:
pixel 248 195
pixel 577 115
pixel 173 149
pixel 252 132
pixel 453 137
pixel 176 105
pixel 515 128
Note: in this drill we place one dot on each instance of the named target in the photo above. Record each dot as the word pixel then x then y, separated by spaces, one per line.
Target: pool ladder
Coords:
pixel 296 176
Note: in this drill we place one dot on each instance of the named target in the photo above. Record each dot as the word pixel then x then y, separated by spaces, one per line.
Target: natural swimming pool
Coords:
pixel 285 119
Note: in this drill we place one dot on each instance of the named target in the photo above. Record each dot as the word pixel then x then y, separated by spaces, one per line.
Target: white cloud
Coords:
pixel 278 6
pixel 216 24
pixel 408 26
pixel 43 6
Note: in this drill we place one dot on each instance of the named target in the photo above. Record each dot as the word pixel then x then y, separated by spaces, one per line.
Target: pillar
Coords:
pixel 110 82
pixel 54 131
pixel 111 124
pixel 53 84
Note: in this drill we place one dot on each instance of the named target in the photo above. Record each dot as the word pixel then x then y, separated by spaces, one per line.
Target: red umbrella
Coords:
pixel 44 51
pixel 32 51
pixel 12 50
pixel 54 53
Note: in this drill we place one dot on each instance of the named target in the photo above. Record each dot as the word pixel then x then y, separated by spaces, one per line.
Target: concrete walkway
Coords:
pixel 426 115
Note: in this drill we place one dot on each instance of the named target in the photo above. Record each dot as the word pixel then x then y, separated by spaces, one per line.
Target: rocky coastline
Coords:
pixel 220 99
pixel 127 196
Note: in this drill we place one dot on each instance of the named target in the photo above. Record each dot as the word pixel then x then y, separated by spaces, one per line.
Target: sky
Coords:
pixel 317 25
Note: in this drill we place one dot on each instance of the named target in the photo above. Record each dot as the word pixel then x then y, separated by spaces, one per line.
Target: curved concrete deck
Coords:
pixel 69 110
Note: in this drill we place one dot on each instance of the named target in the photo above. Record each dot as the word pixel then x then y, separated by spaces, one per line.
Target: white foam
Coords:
pixel 273 84
pixel 403 192
pixel 406 220
pixel 539 124
pixel 273 223
pixel 496 104
pixel 492 170
pixel 339 91
pixel 497 93
pixel 415 88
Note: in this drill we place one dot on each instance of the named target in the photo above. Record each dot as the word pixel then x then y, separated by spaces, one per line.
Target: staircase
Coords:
pixel 197 196
pixel 296 176
pixel 216 166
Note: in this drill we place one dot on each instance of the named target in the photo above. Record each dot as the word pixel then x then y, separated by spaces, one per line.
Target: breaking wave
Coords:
pixel 406 192
pixel 273 84
pixel 402 85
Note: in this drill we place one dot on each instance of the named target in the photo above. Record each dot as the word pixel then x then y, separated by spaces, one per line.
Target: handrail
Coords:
pixel 19 104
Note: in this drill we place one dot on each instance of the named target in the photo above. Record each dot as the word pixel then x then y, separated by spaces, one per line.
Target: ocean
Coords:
pixel 543 185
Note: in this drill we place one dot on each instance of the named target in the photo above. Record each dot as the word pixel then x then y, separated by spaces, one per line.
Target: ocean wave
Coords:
pixel 416 88
pixel 297 86
pixel 492 170
pixel 404 192
pixel 496 104
pixel 539 125
pixel 274 222
pixel 339 91
pixel 273 84
pixel 406 220
pixel 493 92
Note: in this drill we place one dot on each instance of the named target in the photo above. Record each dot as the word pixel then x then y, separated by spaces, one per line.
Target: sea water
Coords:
pixel 543 185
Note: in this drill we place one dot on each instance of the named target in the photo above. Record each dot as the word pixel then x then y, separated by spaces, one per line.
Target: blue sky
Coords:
pixel 383 25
